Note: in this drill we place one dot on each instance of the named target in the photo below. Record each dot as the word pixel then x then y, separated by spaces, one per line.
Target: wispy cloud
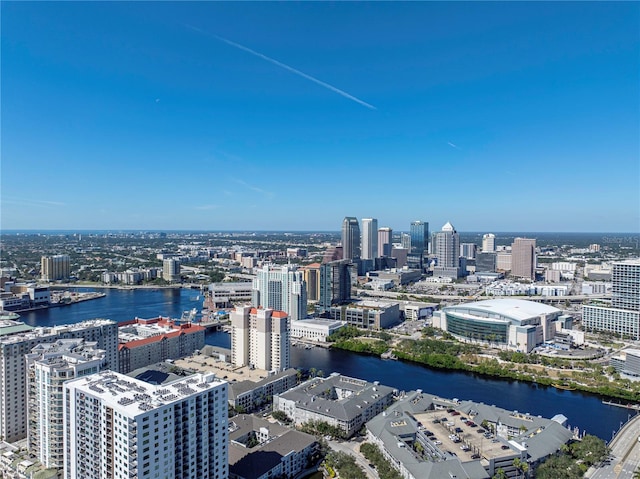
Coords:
pixel 254 188
pixel 207 207
pixel 32 202
pixel 288 68
pixel 453 146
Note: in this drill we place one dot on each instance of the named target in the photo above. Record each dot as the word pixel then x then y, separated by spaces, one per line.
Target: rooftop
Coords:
pixel 123 393
pixel 40 332
pixel 518 309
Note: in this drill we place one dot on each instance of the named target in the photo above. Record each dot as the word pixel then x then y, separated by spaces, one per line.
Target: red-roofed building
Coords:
pixel 147 341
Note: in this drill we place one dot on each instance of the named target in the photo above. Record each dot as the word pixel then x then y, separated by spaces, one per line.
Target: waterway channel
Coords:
pixel 584 411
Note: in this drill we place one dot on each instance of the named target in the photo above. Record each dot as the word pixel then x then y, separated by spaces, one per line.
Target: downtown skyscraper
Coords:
pixel 369 238
pixel 419 231
pixel 350 238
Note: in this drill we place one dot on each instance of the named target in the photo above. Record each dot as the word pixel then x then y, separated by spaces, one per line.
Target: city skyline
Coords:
pixel 268 116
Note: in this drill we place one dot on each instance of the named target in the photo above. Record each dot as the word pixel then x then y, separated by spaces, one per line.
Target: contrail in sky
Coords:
pixel 453 146
pixel 291 69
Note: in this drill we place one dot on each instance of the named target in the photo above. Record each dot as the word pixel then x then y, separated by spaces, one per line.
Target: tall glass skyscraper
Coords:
pixel 350 238
pixel 419 231
pixel 369 238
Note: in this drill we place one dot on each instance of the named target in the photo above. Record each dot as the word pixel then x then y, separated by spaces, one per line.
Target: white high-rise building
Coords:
pixel 49 365
pixel 260 338
pixel 623 317
pixel 13 377
pixel 119 427
pixel 369 238
pixel 281 287
pixel 488 243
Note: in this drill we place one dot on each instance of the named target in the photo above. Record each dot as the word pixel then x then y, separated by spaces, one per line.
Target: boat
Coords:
pixel 566 387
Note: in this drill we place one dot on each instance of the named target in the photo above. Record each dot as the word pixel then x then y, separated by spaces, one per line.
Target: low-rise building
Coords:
pixel 368 314
pixel 223 295
pixel 425 437
pixel 259 449
pixel 341 401
pixel 146 341
pixel 316 329
pixel 248 395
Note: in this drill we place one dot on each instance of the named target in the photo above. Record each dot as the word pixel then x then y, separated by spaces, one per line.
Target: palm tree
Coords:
pixel 636 474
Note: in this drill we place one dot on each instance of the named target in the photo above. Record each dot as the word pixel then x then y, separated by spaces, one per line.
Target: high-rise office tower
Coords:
pixel 486 262
pixel 447 251
pixel 419 231
pixel 13 347
pixel 369 238
pixel 468 250
pixel 260 338
pixel 49 365
pixel 56 267
pixel 350 238
pixel 282 288
pixel 488 243
pixel 405 241
pixel 385 236
pixel 523 258
pixel 120 427
pixel 335 283
pixel 623 317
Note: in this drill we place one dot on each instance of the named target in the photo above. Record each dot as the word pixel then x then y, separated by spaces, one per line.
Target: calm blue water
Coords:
pixel 583 410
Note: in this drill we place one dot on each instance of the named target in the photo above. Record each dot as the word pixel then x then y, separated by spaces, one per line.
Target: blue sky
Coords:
pixel 289 116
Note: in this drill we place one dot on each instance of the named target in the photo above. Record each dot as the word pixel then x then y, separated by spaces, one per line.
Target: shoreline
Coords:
pixel 507 375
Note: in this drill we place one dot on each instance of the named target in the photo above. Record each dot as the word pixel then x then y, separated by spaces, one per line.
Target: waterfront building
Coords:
pixel 627 362
pixel 146 341
pixel 312 279
pixel 350 238
pixel 385 237
pixel 341 401
pixel 514 324
pixel 417 453
pixel 260 338
pixel 523 258
pixel 171 270
pixel 488 243
pixel 16 340
pixel 447 250
pixel 370 314
pixel 55 268
pixel 282 288
pixel 335 283
pixel 369 238
pixel 315 329
pixel 486 262
pixel 120 427
pixel 223 295
pixel 49 365
pixel 252 440
pixel 622 316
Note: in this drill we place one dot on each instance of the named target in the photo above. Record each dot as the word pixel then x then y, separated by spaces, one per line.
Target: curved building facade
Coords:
pixel 510 323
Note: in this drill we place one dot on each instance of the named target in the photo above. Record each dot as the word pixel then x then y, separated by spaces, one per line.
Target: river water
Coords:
pixel 584 411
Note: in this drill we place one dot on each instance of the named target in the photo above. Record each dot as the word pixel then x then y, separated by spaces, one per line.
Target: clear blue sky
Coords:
pixel 290 116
